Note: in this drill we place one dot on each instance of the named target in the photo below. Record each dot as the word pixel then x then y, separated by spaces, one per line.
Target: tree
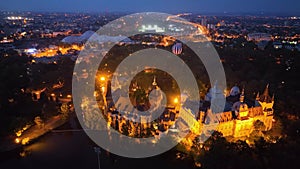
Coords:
pixel 259 125
pixel 64 109
pixel 258 128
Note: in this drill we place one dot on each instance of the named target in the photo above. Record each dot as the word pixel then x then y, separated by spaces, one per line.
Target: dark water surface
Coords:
pixel 74 150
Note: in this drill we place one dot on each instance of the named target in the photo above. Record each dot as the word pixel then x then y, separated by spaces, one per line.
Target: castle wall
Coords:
pixel 243 127
pixel 226 128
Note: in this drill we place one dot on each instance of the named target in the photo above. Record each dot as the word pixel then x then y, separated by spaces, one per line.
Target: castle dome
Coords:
pixel 234 91
pixel 237 106
pixel 214 92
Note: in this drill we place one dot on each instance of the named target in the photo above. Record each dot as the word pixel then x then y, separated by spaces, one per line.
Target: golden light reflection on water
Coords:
pixel 35 147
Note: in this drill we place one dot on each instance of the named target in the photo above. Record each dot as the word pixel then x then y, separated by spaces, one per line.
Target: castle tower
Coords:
pixel 267 103
pixel 256 102
pixel 154 83
pixel 242 96
pixel 257 96
pixel 216 98
pixel 240 107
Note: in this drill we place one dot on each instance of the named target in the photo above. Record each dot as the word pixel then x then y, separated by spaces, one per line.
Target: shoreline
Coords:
pixel 33 133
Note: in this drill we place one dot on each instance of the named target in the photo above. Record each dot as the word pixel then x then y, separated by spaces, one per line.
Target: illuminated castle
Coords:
pixel 236 120
pixel 239 115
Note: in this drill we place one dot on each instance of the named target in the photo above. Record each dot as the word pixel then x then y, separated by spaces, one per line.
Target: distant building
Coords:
pixel 204 22
pixel 78 39
pixel 222 23
pixel 151 29
pixel 36 94
pixel 257 37
pixel 94 37
pixel 262 44
pixel 211 26
pixel 277 45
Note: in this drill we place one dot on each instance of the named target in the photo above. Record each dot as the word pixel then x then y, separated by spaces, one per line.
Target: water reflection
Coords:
pixel 74 150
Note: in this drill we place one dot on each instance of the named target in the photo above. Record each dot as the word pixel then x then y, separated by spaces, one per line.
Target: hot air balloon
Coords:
pixel 177 48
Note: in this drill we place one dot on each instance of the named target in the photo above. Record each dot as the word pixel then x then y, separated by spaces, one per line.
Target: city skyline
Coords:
pixel 202 6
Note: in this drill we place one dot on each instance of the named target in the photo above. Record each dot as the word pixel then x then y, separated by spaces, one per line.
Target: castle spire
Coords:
pixel 214 89
pixel 265 97
pixel 273 97
pixel 154 81
pixel 216 84
pixel 266 92
pixel 242 96
pixel 257 96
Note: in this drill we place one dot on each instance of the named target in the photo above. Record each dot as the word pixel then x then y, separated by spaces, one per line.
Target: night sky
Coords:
pixel 209 6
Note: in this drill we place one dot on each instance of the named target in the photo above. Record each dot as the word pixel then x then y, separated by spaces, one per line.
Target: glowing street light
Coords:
pixel 25 141
pixel 19 133
pixel 17 140
pixel 176 100
pixel 102 78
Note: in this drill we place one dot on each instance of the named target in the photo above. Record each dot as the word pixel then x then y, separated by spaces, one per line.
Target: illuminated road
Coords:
pixel 37 131
pixel 201 29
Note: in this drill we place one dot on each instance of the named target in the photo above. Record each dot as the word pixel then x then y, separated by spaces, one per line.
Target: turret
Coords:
pixel 265 97
pixel 241 108
pixel 266 102
pixel 217 99
pixel 242 96
pixel 257 96
pixel 154 83
pixel 256 104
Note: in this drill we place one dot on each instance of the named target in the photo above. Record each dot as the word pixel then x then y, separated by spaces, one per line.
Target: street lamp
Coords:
pixel 176 103
pixel 176 100
pixel 98 151
pixel 17 140
pixel 102 78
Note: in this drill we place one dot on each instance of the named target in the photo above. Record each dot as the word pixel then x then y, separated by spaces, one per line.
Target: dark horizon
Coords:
pixel 230 7
pixel 267 14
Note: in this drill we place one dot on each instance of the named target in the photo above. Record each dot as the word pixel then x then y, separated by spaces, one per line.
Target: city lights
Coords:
pixel 176 100
pixel 17 140
pixel 54 99
pixel 102 78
